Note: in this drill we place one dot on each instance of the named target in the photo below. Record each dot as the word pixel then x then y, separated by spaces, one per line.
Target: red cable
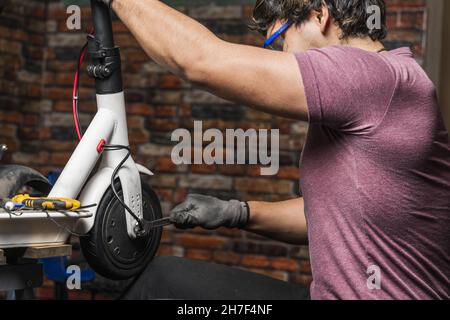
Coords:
pixel 75 94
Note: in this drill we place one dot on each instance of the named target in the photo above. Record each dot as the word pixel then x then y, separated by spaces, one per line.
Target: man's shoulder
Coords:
pixel 346 59
pixel 348 52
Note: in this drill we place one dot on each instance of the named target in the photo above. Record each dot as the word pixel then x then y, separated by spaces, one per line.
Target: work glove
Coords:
pixel 210 213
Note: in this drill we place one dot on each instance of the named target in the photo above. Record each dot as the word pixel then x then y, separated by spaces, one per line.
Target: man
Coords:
pixel 375 168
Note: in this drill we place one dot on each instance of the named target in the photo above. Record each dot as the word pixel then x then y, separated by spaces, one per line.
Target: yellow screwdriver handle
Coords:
pixel 47 203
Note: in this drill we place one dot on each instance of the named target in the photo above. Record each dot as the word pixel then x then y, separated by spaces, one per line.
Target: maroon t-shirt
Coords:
pixel 375 177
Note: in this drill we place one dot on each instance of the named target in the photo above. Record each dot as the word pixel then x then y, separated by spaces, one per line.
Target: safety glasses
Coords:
pixel 273 41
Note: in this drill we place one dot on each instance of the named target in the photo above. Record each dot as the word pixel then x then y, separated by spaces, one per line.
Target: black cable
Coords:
pixel 65 227
pixel 87 207
pixel 113 178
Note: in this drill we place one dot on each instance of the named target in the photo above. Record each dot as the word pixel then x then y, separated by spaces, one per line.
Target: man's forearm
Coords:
pixel 283 221
pixel 169 37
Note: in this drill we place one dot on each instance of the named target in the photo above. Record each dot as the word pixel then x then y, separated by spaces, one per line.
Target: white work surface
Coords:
pixel 29 228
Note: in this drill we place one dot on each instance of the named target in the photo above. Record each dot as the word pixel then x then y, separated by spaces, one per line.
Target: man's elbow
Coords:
pixel 198 67
pixel 194 71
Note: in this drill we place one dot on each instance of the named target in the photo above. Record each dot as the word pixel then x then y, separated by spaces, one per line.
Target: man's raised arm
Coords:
pixel 267 80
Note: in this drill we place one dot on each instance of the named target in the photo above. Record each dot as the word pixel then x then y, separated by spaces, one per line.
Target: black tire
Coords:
pixel 107 247
pixel 14 177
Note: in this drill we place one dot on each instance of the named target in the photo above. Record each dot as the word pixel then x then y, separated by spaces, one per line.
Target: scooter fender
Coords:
pixel 93 193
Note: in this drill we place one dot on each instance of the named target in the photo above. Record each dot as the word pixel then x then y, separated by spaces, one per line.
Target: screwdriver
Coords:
pixel 46 203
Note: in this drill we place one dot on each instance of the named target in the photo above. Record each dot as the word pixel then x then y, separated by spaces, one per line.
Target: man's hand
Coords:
pixel 210 213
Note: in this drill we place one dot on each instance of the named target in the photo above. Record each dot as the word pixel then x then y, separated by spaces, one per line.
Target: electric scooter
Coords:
pixel 121 225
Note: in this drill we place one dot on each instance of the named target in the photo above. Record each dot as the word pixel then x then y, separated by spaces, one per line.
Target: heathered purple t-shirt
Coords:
pixel 375 177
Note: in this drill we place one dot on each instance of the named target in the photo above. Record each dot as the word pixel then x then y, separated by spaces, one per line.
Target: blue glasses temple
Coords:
pixel 274 36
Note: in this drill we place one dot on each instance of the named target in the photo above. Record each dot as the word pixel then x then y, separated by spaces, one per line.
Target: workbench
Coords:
pixel 21 272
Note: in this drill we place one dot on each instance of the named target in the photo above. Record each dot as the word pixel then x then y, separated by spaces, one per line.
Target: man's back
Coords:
pixel 375 176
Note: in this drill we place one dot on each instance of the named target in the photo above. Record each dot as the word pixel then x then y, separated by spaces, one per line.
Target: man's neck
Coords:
pixel 363 43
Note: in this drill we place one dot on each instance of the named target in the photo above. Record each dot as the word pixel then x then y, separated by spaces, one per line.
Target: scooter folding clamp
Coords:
pixel 108 58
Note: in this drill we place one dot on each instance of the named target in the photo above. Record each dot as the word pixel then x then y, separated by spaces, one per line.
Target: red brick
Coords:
pixel 45 293
pixel 164 125
pixel 203 168
pixel 227 257
pixel 229 232
pixel 80 295
pixel 285 264
pixel 166 237
pixel 165 250
pixel 138 137
pixel 59 159
pixel 169 81
pixel 11 117
pixel 232 169
pixel 179 195
pixel 31 120
pixel 166 111
pixel 291 173
pixel 199 254
pixel 255 261
pixel 197 241
pixel 165 165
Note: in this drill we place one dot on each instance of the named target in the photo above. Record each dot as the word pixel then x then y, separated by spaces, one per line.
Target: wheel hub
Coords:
pixel 122 249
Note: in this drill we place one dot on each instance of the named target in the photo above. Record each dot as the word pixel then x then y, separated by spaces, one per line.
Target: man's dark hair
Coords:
pixel 351 16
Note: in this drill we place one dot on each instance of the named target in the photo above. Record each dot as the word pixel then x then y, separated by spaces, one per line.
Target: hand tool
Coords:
pixel 46 203
pixel 149 225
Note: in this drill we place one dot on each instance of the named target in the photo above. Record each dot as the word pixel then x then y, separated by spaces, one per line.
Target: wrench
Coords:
pixel 150 225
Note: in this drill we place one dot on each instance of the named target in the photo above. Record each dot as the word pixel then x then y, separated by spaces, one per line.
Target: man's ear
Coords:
pixel 324 18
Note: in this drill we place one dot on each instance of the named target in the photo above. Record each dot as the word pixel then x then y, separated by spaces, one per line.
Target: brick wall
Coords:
pixel 37 60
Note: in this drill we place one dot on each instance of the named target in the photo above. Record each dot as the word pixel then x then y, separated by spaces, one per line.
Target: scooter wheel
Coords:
pixel 107 247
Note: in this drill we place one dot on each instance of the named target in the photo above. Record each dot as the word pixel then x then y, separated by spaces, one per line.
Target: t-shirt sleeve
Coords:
pixel 347 89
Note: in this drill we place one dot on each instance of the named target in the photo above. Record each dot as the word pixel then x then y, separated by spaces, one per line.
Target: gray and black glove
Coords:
pixel 210 213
